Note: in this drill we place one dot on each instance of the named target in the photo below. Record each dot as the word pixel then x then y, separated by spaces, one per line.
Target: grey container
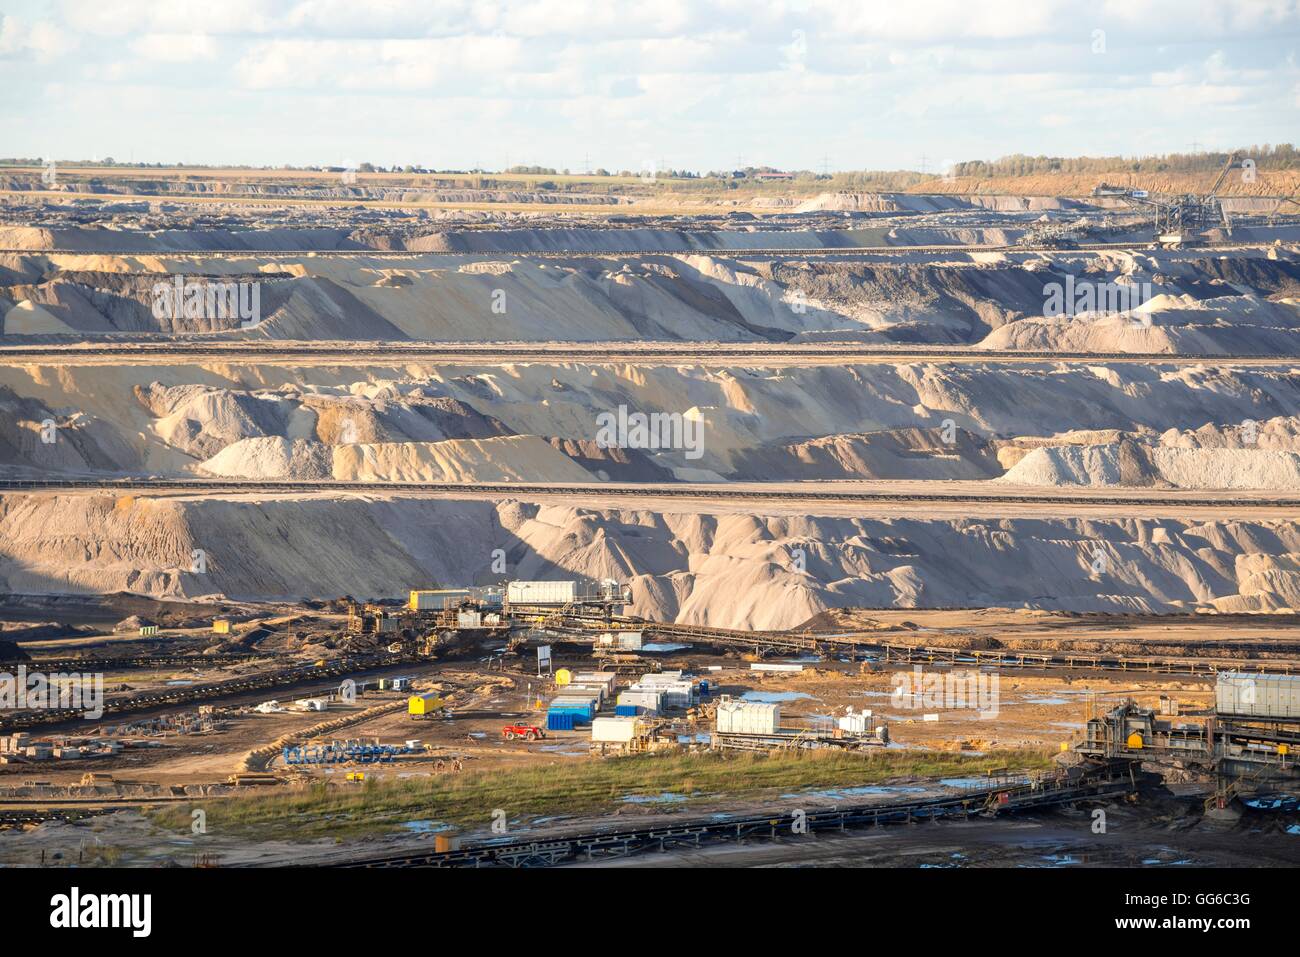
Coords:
pixel 1257 696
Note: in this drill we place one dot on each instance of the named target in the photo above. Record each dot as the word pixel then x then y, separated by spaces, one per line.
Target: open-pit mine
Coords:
pixel 482 523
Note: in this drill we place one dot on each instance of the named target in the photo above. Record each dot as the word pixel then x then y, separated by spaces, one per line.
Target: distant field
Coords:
pixel 662 196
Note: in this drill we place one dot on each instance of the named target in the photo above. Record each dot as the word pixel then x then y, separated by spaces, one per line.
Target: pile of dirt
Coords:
pixel 733 569
pixel 1129 463
pixel 133 624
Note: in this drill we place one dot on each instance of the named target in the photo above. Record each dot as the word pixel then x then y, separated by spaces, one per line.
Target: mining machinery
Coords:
pixel 1180 220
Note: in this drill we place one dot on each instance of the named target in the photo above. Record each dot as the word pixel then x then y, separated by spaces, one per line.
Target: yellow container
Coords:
pixel 420 705
pixel 221 626
pixel 435 599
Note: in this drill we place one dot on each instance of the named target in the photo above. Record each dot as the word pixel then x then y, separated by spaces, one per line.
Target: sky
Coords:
pixel 577 84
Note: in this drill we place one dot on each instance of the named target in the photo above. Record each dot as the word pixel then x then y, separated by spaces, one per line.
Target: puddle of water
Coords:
pixel 667 797
pixel 774 697
pixel 839 794
pixel 565 749
pixel 965 783
pixel 1264 804
pixel 425 827
pixel 663 646
pixel 1046 701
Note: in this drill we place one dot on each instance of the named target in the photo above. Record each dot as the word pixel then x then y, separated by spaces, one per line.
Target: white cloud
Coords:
pixel 44 39
pixel 175 47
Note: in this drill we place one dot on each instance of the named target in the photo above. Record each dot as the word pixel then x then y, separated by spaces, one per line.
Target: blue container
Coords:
pixel 704 689
pixel 560 720
pixel 627 710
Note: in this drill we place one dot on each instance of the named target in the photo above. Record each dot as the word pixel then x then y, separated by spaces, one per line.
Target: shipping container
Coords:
pixel 652 676
pixel 616 730
pixel 584 690
pixel 436 599
pixel 1257 696
pixel 584 706
pixel 581 694
pixel 629 640
pixel 628 710
pixel 748 717
pixel 542 593
pixel 648 700
pixel 606 678
pixel 560 720
pixel 421 705
pixel 672 694
pixel 856 723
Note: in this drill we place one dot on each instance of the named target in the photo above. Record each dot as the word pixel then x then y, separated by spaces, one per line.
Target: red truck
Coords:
pixel 529 732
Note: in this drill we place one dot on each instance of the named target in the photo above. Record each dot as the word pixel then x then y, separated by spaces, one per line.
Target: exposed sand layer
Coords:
pixel 880 421
pixel 1188 302
pixel 1134 464
pixel 733 569
pixel 507 459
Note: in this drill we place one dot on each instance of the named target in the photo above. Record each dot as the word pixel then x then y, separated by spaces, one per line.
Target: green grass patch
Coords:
pixel 569 787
